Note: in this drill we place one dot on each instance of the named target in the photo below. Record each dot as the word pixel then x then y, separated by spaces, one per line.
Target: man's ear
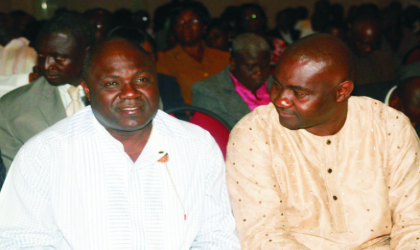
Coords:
pixel 232 64
pixel 85 88
pixel 344 90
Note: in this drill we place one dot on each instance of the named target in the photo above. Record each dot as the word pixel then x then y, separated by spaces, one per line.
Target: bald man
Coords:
pixel 318 169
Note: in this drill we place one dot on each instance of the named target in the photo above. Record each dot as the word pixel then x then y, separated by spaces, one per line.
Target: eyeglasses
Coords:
pixel 189 22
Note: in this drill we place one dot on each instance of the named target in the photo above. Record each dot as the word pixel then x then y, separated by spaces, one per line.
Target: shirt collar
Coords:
pixel 152 152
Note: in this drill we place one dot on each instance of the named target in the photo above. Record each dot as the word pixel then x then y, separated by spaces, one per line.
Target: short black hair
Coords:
pixel 197 7
pixel 94 50
pixel 133 34
pixel 73 24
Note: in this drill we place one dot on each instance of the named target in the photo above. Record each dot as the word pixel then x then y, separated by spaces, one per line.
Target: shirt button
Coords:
pixel 330 170
pixel 328 142
pixel 206 74
pixel 335 197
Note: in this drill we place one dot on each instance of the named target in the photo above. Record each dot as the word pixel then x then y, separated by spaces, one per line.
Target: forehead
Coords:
pixel 187 14
pixel 302 71
pixel 59 43
pixel 119 60
pixel 250 11
pixel 249 56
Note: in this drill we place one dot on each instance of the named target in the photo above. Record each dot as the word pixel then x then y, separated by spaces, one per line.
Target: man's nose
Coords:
pixel 128 91
pixel 49 62
pixel 284 99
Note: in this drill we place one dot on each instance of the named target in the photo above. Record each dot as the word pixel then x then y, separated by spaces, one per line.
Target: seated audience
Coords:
pixel 317 168
pixel 396 40
pixel 191 60
pixel 252 19
pixel 102 22
pixel 120 174
pixel 285 22
pixel 28 110
pixel 218 35
pixel 16 57
pixel 240 87
pixel 169 91
pixel 303 23
pixel 371 65
pixel 337 29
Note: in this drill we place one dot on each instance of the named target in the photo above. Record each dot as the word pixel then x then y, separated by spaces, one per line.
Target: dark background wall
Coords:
pixel 35 7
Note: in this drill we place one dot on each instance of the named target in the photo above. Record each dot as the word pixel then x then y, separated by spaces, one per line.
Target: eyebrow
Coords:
pixel 292 86
pixel 116 77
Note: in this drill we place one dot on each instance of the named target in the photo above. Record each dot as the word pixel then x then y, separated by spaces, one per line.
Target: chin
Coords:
pixel 289 125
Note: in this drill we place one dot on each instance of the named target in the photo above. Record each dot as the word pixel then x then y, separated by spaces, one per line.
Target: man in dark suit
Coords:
pixel 28 110
pixel 240 87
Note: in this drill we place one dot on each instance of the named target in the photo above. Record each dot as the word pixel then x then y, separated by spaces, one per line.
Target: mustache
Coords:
pixel 130 103
pixel 283 110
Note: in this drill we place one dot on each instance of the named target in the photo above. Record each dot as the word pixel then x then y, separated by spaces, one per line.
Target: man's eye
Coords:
pixel 142 80
pixel 111 84
pixel 300 95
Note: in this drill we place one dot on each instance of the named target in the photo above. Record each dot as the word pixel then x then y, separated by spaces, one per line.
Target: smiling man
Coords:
pixel 28 110
pixel 119 174
pixel 317 168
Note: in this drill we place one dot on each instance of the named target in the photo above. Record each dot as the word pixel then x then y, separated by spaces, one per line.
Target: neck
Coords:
pixel 196 51
pixel 334 124
pixel 133 141
pixel 75 83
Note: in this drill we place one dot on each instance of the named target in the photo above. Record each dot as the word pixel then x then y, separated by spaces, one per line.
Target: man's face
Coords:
pixel 303 93
pixel 363 38
pixel 252 20
pixel 59 59
pixel 217 39
pixel 122 88
pixel 189 29
pixel 100 23
pixel 251 69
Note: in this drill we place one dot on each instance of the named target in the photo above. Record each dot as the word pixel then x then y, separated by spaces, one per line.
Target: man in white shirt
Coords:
pixel 119 174
pixel 28 110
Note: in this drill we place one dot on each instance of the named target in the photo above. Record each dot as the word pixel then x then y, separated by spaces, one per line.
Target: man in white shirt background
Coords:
pixel 28 110
pixel 119 174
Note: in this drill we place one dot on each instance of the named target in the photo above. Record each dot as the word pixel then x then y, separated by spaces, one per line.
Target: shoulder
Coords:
pixel 214 81
pixel 27 90
pixel 220 54
pixel 260 120
pixel 171 127
pixel 25 96
pixel 371 110
pixel 74 127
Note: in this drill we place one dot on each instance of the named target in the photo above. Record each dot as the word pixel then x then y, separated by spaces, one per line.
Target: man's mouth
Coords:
pixel 132 108
pixel 285 114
